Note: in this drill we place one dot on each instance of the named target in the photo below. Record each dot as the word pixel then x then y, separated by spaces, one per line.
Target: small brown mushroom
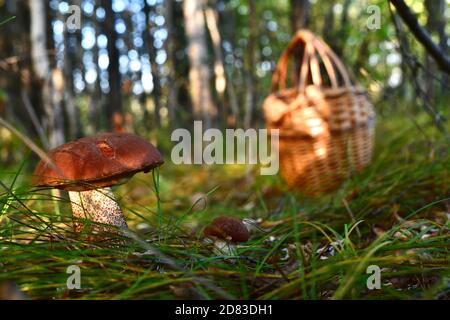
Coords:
pixel 227 228
pixel 225 232
pixel 88 167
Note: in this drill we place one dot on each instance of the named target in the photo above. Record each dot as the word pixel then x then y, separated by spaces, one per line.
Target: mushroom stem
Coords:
pixel 222 247
pixel 98 205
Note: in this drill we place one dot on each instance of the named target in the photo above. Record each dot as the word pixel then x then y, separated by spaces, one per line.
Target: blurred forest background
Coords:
pixel 139 65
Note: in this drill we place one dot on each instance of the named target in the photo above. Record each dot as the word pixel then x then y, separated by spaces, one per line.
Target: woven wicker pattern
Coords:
pixel 326 122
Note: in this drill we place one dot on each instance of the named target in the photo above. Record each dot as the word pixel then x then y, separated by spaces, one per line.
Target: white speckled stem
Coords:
pixel 97 205
pixel 222 247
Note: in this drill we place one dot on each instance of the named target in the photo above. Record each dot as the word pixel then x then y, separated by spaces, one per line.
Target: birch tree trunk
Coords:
pixel 219 70
pixel 49 81
pixel 222 83
pixel 199 73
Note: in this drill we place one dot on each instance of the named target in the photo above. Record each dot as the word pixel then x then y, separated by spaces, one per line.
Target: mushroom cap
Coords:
pixel 97 161
pixel 225 227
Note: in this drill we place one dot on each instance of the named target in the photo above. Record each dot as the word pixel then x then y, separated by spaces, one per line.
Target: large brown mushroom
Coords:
pixel 88 167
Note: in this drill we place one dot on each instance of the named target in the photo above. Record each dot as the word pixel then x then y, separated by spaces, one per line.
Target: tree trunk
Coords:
pixel 328 25
pixel 222 82
pixel 154 66
pixel 114 101
pixel 299 14
pixel 74 125
pixel 15 74
pixel 299 20
pixel 342 33
pixel 437 20
pixel 49 81
pixel 172 95
pixel 436 25
pixel 199 73
pixel 250 65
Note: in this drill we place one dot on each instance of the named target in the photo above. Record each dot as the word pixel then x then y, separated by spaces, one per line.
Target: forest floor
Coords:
pixel 394 214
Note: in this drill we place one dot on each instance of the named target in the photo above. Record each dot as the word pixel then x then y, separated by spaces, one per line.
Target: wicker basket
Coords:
pixel 326 121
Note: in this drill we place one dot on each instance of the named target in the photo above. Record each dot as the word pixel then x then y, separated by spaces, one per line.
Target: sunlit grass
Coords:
pixel 394 214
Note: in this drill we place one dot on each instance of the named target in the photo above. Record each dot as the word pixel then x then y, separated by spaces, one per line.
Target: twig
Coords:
pixel 34 119
pixel 414 65
pixel 7 20
pixel 422 35
pixel 35 148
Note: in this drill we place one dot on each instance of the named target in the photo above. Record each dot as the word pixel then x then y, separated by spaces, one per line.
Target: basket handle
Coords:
pixel 329 57
pixel 313 48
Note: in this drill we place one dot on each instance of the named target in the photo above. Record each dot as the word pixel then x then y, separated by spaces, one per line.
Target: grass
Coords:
pixel 394 214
